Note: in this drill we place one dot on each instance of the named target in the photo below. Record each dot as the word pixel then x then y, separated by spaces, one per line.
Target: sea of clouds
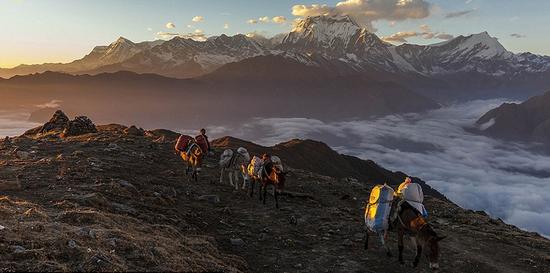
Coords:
pixel 508 180
pixel 14 123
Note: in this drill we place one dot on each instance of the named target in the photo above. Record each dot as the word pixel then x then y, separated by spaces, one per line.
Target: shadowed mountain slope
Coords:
pixel 528 121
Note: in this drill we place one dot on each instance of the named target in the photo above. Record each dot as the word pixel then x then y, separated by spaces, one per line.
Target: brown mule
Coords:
pixel 273 177
pixel 410 222
pixel 193 157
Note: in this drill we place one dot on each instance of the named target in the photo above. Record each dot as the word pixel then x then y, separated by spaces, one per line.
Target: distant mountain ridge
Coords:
pixel 229 95
pixel 118 51
pixel 337 44
pixel 528 121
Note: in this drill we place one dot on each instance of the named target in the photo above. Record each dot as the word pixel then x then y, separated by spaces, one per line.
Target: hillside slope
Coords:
pixel 528 121
pixel 118 200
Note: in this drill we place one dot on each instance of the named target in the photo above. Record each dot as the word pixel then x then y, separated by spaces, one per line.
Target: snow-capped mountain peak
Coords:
pixel 486 46
pixel 334 37
pixel 122 41
pixel 325 29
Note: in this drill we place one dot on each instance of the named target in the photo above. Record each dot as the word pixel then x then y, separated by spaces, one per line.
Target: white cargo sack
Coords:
pixel 226 157
pixel 377 213
pixel 277 163
pixel 412 193
pixel 244 153
pixel 255 166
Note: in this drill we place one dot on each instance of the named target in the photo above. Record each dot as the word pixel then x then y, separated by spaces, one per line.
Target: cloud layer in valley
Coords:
pixel 14 123
pixel 505 179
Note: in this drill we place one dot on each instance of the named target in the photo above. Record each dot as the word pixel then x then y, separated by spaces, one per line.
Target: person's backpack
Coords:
pixel 183 142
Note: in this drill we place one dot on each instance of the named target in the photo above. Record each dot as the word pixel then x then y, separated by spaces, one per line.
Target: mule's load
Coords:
pixel 412 194
pixel 244 152
pixel 183 142
pixel 277 163
pixel 255 166
pixel 226 157
pixel 378 208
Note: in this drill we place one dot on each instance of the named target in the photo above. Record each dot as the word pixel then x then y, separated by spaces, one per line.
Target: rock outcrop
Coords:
pixel 57 123
pixel 62 126
pixel 134 131
pixel 79 126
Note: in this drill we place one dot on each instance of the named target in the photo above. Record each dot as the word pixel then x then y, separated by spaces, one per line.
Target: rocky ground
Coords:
pixel 119 200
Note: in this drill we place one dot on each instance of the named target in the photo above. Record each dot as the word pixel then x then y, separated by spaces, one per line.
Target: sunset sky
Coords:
pixel 38 31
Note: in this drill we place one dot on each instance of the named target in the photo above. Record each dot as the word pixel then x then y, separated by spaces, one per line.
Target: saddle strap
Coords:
pixel 233 159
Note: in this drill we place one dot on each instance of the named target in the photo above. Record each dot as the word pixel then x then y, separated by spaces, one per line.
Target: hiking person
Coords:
pixel 267 164
pixel 202 140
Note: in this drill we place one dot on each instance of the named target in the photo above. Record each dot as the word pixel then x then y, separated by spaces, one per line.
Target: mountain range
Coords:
pixel 464 67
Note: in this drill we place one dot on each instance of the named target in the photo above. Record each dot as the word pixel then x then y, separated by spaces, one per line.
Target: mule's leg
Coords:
pixel 221 175
pixel 245 182
pixel 230 174
pixel 196 174
pixel 275 195
pixel 366 239
pixel 260 188
pixel 400 234
pixel 252 182
pixel 418 251
pixel 236 177
pixel 383 240
pixel 264 192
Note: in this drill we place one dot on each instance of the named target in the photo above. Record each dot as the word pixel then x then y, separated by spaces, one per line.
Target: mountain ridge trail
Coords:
pixel 115 201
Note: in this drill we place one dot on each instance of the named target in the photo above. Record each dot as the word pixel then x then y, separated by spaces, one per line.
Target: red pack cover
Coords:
pixel 202 142
pixel 182 143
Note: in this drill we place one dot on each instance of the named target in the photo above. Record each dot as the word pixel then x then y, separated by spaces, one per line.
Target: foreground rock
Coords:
pixel 62 126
